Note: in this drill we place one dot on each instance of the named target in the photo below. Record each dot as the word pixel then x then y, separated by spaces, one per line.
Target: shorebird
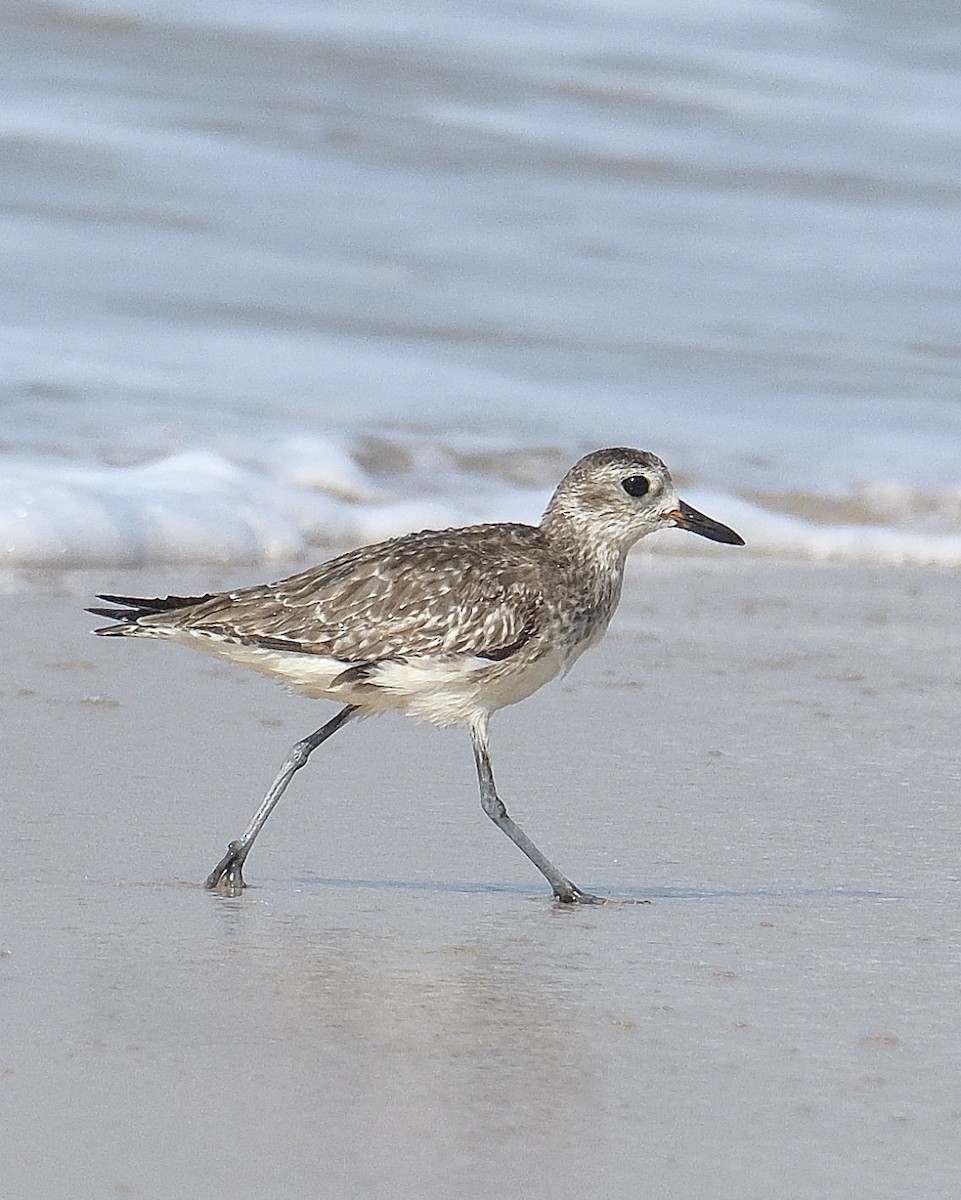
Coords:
pixel 445 625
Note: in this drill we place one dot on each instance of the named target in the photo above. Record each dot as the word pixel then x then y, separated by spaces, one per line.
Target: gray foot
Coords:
pixel 227 877
pixel 574 895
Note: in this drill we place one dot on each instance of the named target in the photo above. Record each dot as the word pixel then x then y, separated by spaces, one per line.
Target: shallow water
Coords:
pixel 273 278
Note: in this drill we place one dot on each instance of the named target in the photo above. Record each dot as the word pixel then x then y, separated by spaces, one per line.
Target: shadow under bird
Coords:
pixel 446 625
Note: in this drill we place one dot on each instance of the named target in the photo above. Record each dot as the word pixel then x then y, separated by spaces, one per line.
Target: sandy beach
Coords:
pixel 767 752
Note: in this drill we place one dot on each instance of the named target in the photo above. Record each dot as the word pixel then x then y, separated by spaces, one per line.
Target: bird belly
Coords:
pixel 455 690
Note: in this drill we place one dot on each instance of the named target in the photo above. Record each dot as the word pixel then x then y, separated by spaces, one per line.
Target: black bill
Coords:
pixel 685 517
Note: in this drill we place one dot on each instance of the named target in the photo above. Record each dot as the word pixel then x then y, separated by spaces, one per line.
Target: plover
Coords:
pixel 445 625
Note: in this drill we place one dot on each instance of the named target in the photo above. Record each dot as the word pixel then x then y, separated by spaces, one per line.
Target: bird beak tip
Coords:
pixel 686 517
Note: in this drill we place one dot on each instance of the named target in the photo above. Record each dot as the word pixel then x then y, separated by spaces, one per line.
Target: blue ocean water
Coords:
pixel 274 277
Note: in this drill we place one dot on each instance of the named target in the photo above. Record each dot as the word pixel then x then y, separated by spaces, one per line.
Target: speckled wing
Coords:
pixel 476 591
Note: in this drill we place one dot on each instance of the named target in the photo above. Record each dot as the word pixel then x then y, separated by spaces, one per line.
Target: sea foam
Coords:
pixel 298 498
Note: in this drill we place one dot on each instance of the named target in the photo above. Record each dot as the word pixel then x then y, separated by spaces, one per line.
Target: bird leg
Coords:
pixel 565 891
pixel 227 876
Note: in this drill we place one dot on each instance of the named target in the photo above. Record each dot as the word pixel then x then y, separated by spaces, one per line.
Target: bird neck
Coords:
pixel 578 540
pixel 592 564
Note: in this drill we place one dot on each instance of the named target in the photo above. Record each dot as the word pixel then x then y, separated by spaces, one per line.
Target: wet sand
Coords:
pixel 767 752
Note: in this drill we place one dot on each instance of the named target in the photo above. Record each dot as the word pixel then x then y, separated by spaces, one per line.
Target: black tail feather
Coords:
pixel 117 630
pixel 112 614
pixel 155 604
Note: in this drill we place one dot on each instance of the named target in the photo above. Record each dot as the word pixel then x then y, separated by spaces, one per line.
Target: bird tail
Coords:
pixel 128 610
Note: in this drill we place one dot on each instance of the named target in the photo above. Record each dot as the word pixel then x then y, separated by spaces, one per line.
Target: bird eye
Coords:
pixel 636 485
